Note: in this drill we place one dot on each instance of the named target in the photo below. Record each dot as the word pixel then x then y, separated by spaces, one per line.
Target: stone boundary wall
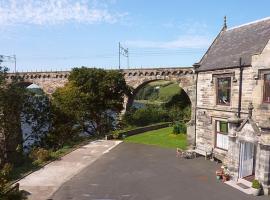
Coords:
pixel 140 130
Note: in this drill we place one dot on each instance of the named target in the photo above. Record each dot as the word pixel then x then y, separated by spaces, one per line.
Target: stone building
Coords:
pixel 233 100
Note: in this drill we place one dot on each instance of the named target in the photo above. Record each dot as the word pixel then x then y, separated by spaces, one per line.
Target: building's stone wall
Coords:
pixel 252 92
pixel 208 111
pixel 260 65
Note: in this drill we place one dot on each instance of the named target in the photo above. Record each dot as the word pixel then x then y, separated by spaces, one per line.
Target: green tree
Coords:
pixel 12 99
pixel 91 96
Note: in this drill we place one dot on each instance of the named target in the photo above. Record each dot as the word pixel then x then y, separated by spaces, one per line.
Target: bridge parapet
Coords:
pixel 179 71
pixel 38 75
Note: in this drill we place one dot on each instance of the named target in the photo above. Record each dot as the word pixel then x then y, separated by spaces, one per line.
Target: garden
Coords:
pixel 165 137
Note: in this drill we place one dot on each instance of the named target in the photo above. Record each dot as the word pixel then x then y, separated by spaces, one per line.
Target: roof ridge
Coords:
pixel 249 23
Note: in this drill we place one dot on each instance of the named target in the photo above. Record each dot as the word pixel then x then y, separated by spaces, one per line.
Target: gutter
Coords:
pixel 224 68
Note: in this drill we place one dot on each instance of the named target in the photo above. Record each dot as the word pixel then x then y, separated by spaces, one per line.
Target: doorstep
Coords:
pixel 242 185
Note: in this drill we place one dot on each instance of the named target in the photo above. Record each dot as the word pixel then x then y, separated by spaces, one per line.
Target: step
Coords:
pixel 237 185
pixel 245 182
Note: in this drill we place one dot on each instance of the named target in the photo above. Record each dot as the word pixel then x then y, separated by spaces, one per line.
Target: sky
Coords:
pixel 61 34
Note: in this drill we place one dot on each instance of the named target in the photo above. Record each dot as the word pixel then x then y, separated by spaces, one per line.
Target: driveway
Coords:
pixel 43 183
pixel 143 172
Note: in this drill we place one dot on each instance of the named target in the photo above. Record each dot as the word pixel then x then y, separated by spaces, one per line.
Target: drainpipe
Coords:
pixel 195 66
pixel 240 88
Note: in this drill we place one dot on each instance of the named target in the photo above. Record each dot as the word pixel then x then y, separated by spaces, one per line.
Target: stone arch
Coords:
pixel 137 86
pixel 186 81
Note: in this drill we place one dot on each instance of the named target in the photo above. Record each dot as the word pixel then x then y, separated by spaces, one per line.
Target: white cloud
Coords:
pixel 46 12
pixel 191 41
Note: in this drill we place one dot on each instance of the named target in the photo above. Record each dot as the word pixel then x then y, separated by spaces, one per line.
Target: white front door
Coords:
pixel 246 159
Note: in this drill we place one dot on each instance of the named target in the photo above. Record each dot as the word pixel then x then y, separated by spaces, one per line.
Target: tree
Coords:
pixel 11 102
pixel 92 96
pixel 35 118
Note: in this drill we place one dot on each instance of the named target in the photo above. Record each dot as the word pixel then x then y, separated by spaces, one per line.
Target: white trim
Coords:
pixel 249 23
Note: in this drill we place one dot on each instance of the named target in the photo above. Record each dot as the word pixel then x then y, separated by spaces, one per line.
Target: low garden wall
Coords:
pixel 126 133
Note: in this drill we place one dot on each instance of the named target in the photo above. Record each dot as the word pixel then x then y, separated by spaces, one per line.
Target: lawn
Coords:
pixel 161 137
pixel 167 92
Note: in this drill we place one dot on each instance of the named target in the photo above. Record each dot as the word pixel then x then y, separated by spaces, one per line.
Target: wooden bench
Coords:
pixel 204 151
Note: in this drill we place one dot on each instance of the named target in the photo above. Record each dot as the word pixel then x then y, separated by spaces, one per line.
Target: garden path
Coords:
pixel 44 182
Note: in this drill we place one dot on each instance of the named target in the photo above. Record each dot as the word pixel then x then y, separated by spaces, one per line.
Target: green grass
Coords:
pixel 167 90
pixel 165 93
pixel 161 137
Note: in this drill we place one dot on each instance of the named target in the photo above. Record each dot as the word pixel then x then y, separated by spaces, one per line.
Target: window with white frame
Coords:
pixel 222 139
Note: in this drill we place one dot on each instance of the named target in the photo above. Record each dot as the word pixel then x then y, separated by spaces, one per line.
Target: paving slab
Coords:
pixel 44 182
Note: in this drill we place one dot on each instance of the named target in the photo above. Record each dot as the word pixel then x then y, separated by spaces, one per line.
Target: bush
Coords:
pixel 179 128
pixel 39 155
pixel 15 195
pixel 6 170
pixel 145 116
pixel 116 134
pixel 256 184
pixel 5 173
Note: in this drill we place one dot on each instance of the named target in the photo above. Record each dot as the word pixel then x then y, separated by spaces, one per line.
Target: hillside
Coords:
pixel 157 92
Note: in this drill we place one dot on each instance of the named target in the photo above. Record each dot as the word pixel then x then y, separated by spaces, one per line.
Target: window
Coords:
pixel 224 91
pixel 266 96
pixel 222 140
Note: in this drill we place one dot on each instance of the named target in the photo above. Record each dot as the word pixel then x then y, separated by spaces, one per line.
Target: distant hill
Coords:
pixel 158 92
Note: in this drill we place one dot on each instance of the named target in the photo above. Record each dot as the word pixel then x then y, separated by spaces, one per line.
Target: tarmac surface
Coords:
pixel 144 172
pixel 43 183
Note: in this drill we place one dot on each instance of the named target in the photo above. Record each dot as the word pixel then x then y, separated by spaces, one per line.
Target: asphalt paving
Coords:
pixel 143 172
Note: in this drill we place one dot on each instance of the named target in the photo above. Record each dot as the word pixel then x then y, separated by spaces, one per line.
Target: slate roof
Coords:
pixel 231 44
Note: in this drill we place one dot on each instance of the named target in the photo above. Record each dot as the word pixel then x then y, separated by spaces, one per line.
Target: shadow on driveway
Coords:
pixel 143 172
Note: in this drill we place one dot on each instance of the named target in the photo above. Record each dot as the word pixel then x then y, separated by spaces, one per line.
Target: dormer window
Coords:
pixel 224 91
pixel 266 95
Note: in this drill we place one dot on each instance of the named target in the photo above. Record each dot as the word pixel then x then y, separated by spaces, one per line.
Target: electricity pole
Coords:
pixel 119 54
pixel 12 58
pixel 123 52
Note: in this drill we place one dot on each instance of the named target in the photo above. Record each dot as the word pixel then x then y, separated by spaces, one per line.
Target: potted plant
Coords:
pixel 226 174
pixel 257 187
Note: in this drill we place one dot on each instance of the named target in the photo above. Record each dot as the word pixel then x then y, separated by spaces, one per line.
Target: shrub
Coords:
pixel 116 134
pixel 256 184
pixel 179 128
pixel 15 195
pixel 5 173
pixel 149 115
pixel 39 155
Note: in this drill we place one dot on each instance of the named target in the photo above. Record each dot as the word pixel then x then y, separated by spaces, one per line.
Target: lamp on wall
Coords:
pixel 256 77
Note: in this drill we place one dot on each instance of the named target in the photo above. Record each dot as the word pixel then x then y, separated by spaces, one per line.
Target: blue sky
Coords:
pixel 61 34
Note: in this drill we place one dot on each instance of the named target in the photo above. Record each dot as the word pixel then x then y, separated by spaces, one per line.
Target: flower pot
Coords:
pixel 256 192
pixel 225 178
